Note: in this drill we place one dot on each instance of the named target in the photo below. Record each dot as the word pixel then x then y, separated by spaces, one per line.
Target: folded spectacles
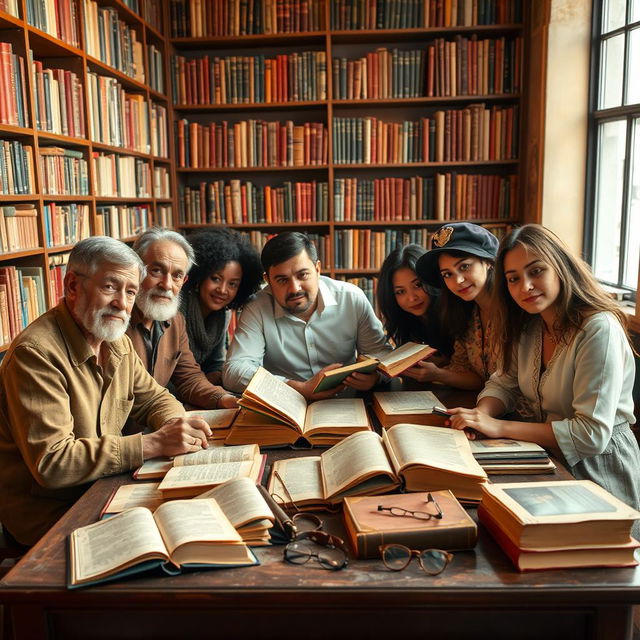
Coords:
pixel 328 550
pixel 432 561
pixel 420 515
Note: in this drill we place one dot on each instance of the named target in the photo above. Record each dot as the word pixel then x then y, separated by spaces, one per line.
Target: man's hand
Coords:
pixel 361 381
pixel 306 388
pixel 227 401
pixel 176 436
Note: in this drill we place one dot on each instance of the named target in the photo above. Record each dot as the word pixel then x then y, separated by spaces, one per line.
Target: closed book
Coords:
pixel 368 528
pixel 414 407
pixel 620 555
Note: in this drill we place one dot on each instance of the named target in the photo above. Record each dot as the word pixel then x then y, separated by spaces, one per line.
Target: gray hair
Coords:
pixel 156 234
pixel 89 254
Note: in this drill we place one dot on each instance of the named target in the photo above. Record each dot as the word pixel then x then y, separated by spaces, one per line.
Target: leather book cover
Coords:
pixel 368 528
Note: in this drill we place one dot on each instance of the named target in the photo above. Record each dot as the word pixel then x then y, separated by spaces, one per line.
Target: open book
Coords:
pixel 414 407
pixel 423 458
pixel 278 415
pixel 180 534
pixel 392 363
pixel 214 454
pixel 219 420
pixel 571 513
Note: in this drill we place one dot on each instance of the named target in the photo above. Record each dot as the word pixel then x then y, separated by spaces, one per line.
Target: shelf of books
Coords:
pixel 366 123
pixel 84 130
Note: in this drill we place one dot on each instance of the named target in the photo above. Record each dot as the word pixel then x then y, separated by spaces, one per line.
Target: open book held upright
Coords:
pixel 180 534
pixel 278 415
pixel 422 458
pixel 393 363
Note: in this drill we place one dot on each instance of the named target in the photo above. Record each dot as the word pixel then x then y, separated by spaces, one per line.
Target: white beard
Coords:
pixel 160 311
pixel 105 330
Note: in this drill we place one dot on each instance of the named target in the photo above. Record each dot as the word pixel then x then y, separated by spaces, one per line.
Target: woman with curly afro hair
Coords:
pixel 226 274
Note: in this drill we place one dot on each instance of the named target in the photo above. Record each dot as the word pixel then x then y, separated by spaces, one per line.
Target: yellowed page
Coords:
pixel 136 495
pixel 240 500
pixel 301 476
pixel 407 350
pixel 279 395
pixel 336 412
pixel 218 453
pixel 156 467
pixel 183 521
pixel 433 447
pixel 356 456
pixel 118 542
pixel 205 474
pixel 215 418
pixel 399 402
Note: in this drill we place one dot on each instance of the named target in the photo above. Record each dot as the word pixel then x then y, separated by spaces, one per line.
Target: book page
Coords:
pixel 278 395
pixel 135 495
pixel 433 447
pixel 302 478
pixel 182 521
pixel 355 457
pixel 205 474
pixel 218 453
pixel 337 412
pixel 491 446
pixel 406 351
pixel 100 548
pixel 156 468
pixel 394 402
pixel 240 500
pixel 215 418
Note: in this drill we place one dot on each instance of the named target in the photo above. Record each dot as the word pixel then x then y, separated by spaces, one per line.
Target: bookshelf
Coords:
pixel 426 120
pixel 100 103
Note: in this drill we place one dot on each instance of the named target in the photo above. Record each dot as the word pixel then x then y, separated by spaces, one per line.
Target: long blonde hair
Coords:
pixel 580 293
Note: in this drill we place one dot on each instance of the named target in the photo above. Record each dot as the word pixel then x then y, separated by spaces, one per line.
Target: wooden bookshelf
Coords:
pixel 57 53
pixel 353 44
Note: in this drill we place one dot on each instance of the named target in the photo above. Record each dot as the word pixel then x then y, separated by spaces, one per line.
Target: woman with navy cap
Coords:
pixel 461 263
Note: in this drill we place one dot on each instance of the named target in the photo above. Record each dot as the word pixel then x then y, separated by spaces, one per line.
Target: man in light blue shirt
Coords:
pixel 302 324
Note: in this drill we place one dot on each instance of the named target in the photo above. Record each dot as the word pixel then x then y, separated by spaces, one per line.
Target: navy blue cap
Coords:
pixel 455 236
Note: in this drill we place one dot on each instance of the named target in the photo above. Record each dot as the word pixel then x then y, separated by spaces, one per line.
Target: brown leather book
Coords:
pixel 369 528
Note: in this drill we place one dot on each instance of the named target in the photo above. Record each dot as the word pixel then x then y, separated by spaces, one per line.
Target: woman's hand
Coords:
pixel 473 420
pixel 423 371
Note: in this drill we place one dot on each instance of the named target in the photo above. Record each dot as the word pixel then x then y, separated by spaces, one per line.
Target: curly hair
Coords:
pixel 216 247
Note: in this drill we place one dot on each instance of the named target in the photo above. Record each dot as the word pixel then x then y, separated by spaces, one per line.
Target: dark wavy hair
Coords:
pixel 214 248
pixel 455 313
pixel 580 293
pixel 399 324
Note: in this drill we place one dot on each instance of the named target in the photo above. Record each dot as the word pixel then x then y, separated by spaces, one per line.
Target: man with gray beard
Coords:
pixel 158 331
pixel 68 384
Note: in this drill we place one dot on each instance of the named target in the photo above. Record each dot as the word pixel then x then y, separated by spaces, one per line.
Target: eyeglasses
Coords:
pixel 329 551
pixel 300 521
pixel 420 515
pixel 432 561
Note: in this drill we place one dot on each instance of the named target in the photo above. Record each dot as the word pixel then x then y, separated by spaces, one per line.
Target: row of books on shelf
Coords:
pixel 250 143
pixel 259 238
pixel 238 202
pixel 245 17
pixel 22 299
pixel 123 119
pixel 422 14
pixel 16 168
pixel 59 19
pixel 122 221
pixel 57 269
pixel 66 224
pixel 368 286
pixel 149 10
pixel 63 171
pixel 13 92
pixel 18 227
pixel 460 67
pixel 58 100
pixel 112 41
pixel 164 215
pixel 10 6
pixel 117 176
pixel 161 182
pixel 445 196
pixel 155 62
pixel 473 134
pixel 249 79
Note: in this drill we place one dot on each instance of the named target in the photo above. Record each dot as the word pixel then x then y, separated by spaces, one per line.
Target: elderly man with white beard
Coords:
pixel 158 331
pixel 68 383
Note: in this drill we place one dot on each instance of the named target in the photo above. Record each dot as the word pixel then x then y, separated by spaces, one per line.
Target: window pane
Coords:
pixel 630 276
pixel 633 76
pixel 611 67
pixel 610 176
pixel 613 15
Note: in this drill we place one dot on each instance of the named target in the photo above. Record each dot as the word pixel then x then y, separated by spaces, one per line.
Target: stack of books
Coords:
pixel 559 524
pixel 502 456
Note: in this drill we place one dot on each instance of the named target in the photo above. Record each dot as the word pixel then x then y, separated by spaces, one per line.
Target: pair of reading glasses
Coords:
pixel 300 521
pixel 431 504
pixel 397 557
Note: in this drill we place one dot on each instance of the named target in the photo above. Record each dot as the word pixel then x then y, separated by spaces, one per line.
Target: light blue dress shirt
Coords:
pixel 342 325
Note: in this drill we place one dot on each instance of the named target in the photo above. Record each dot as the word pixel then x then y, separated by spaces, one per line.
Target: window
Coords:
pixel 612 229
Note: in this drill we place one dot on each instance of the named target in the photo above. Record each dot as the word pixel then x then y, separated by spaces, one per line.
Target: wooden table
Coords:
pixel 480 595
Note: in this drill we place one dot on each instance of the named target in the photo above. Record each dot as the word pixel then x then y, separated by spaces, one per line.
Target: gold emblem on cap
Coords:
pixel 440 238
